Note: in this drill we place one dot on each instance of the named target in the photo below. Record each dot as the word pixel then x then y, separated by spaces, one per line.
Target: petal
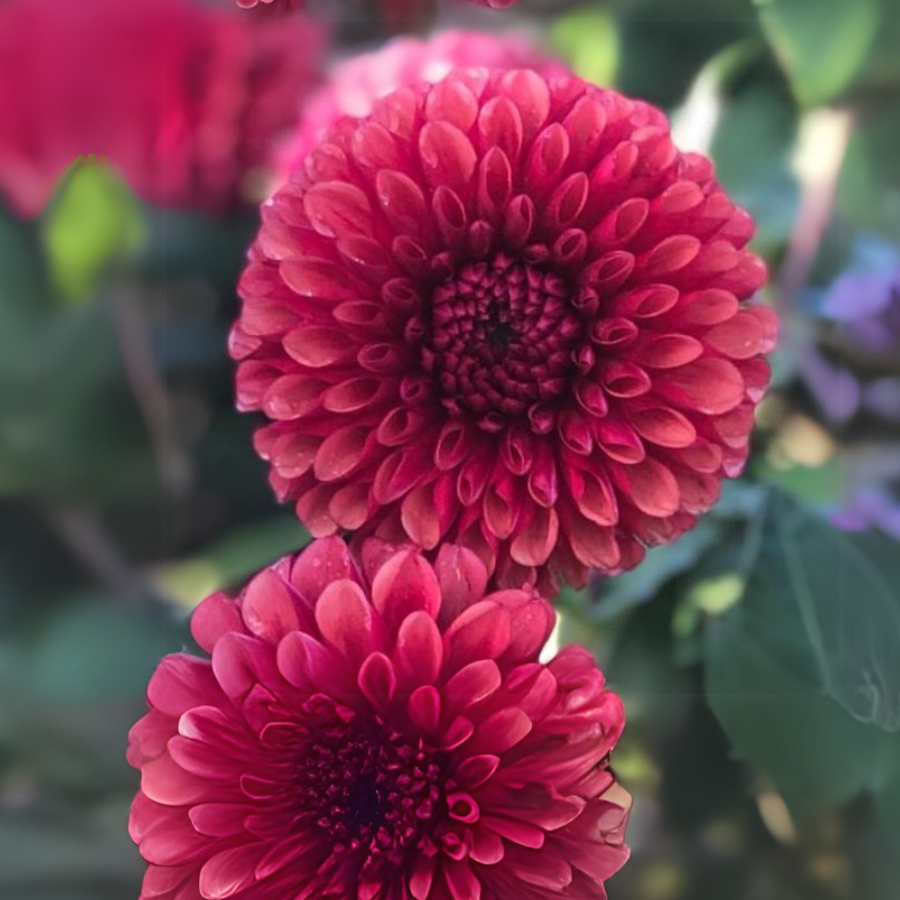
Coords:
pixel 229 872
pixel 346 620
pixel 240 662
pixel 165 782
pixel 462 882
pixel 663 426
pixel 482 631
pixel 338 209
pixel 462 577
pixel 377 680
pixel 447 155
pixel 268 607
pixel 420 651
pixel 471 684
pixel 322 562
pixel 404 584
pixel 181 682
pixel 317 346
pixel 340 453
pixel 500 732
pixel 650 486
pixel 535 539
pixel 214 617
pixel 710 386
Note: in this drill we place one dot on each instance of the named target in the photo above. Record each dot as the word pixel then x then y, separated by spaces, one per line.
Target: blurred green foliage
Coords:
pixel 92 224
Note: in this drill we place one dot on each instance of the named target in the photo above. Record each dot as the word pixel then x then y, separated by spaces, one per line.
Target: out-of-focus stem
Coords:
pixel 824 134
pixel 148 387
pixel 83 533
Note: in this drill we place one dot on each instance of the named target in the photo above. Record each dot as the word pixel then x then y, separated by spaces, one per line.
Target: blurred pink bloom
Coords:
pixel 377 730
pixel 184 99
pixel 355 85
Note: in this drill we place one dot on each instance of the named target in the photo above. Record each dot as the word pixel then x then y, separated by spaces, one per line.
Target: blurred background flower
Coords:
pixel 757 656
pixel 183 99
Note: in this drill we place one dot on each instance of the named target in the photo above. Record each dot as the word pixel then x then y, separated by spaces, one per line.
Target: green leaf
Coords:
pixel 661 564
pixel 92 225
pixel 816 755
pixel 99 650
pixel 66 415
pixel 823 45
pixel 52 852
pixel 825 606
pixel 588 40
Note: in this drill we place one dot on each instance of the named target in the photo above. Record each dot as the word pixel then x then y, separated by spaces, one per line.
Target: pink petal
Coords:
pixel 165 782
pixel 229 872
pixel 317 346
pixel 269 607
pixel 181 682
pixel 377 680
pixel 447 155
pixel 346 620
pixel 419 652
pixel 404 584
pixel 708 385
pixel 472 683
pixel 322 562
pixel 651 486
pixel 338 209
pixel 482 631
pixel 462 578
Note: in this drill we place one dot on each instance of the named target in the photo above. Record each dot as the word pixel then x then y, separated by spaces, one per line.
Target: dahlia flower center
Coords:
pixel 373 792
pixel 502 338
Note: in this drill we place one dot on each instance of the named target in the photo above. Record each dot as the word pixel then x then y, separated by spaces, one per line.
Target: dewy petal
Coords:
pixel 405 584
pixel 346 620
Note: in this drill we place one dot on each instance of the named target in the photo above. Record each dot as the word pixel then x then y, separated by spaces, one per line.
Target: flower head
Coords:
pixel 354 86
pixel 504 311
pixel 184 99
pixel 376 731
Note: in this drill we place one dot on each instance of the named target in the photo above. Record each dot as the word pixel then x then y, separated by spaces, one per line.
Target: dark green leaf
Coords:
pixel 826 609
pixel 823 45
pixel 816 755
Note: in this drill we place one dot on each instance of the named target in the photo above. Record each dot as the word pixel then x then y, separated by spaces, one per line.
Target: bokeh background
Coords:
pixel 759 656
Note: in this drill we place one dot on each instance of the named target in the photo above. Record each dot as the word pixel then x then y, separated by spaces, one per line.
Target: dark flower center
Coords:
pixel 502 338
pixel 374 793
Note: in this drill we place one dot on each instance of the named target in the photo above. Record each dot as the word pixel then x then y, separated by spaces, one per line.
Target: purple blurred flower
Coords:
pixel 867 305
pixel 869 506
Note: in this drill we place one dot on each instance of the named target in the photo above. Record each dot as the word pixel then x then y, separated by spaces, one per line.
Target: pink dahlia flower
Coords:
pixel 382 732
pixel 505 312
pixel 186 100
pixel 355 85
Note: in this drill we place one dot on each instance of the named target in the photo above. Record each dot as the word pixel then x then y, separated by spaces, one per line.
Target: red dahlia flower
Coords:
pixel 504 312
pixel 184 99
pixel 354 86
pixel 384 734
